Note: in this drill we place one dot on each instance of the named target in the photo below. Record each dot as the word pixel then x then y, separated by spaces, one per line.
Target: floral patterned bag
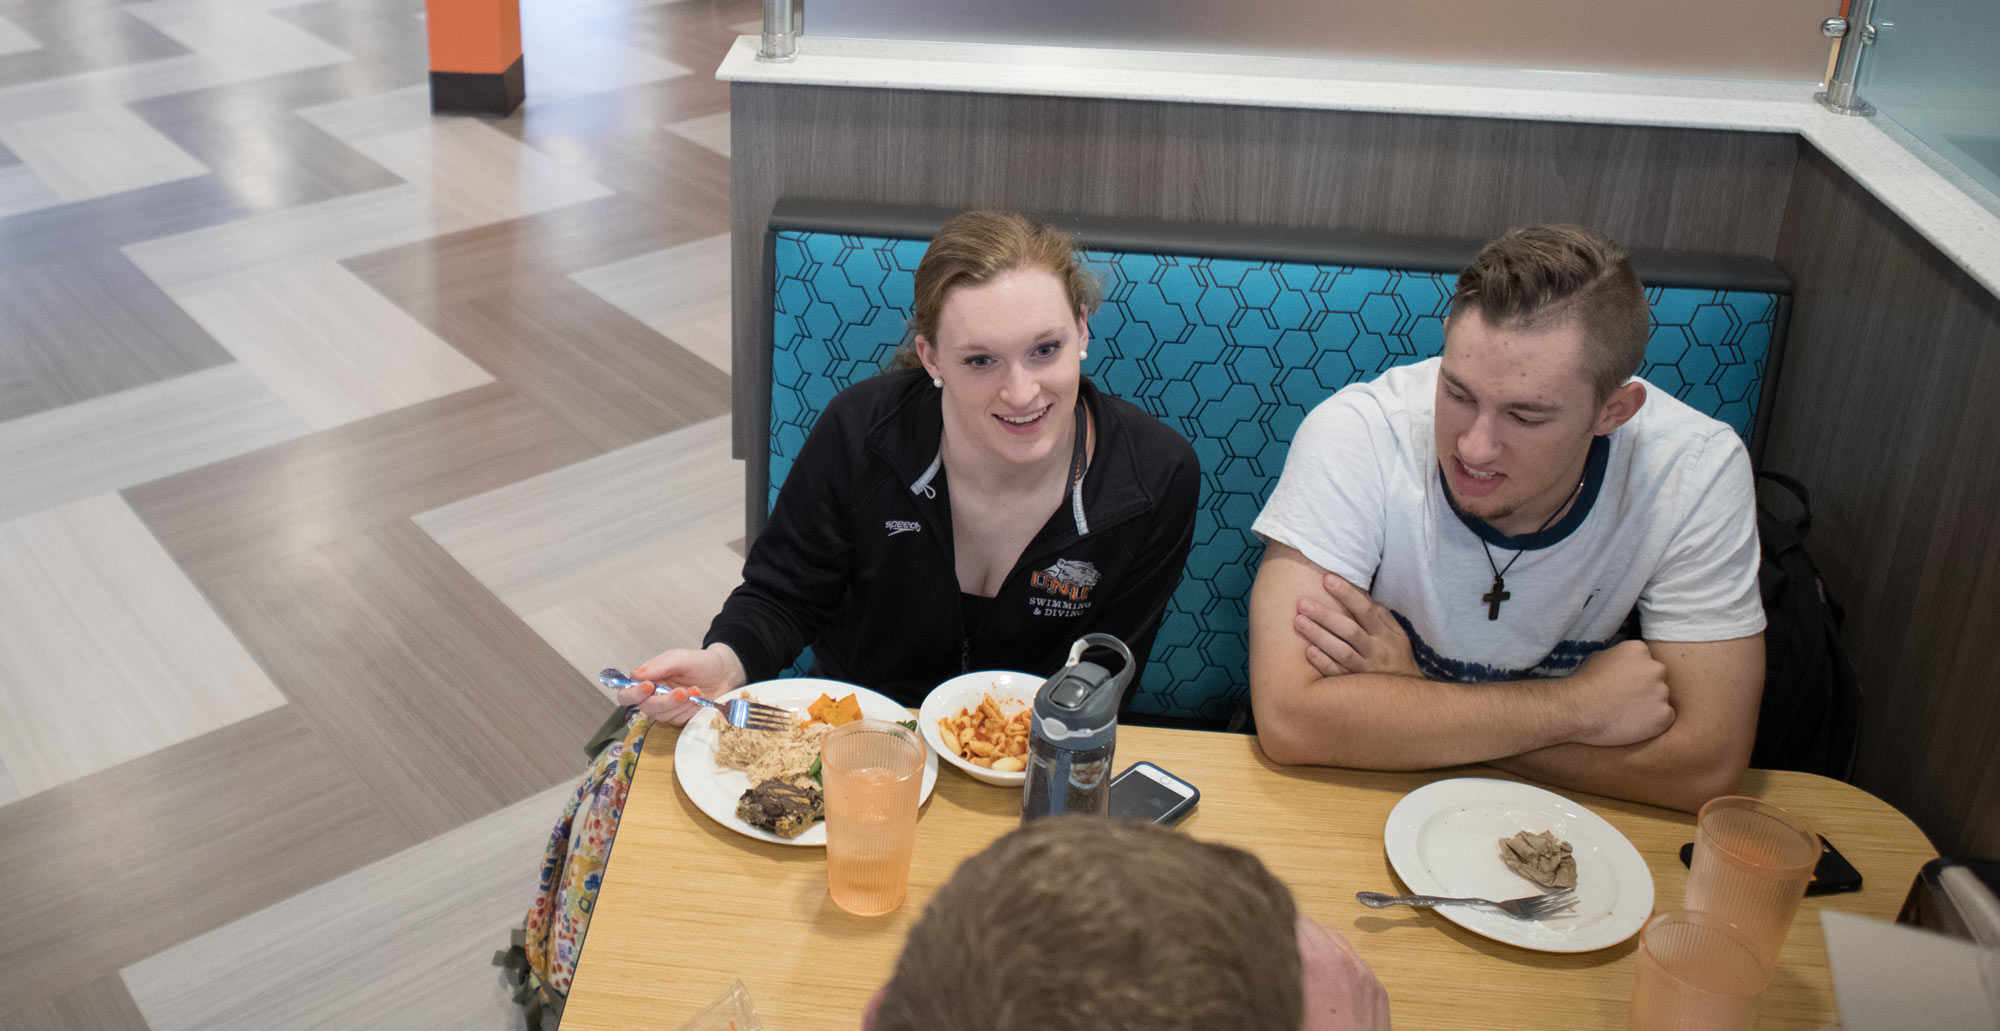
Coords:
pixel 543 957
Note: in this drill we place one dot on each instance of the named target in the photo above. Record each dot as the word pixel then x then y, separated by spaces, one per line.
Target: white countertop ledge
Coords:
pixel 1955 223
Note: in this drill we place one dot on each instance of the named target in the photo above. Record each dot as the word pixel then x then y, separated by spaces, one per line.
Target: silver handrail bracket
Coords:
pixel 1839 96
pixel 781 40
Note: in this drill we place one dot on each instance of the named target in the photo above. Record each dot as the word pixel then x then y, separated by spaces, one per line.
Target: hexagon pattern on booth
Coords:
pixel 1232 353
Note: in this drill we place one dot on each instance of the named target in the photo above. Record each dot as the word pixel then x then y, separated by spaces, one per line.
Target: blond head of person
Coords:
pixel 1080 923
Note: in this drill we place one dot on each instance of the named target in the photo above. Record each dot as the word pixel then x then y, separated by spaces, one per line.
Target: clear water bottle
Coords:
pixel 1074 730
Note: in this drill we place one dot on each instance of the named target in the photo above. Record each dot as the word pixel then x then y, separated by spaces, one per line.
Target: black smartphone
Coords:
pixel 1832 875
pixel 1144 792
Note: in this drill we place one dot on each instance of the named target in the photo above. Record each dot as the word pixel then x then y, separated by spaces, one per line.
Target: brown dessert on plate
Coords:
pixel 783 807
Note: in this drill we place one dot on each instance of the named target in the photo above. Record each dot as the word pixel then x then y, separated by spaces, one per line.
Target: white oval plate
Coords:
pixel 1444 839
pixel 964 692
pixel 715 791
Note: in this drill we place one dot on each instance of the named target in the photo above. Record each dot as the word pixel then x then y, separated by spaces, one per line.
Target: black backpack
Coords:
pixel 1811 711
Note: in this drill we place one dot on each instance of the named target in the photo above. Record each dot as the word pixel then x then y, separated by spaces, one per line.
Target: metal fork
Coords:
pixel 737 712
pixel 1533 907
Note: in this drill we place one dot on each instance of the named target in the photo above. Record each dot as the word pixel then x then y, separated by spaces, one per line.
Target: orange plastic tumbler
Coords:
pixel 1696 972
pixel 1752 861
pixel 872 770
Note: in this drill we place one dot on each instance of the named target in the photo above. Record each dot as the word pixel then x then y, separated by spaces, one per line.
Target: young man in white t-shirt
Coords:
pixel 1454 547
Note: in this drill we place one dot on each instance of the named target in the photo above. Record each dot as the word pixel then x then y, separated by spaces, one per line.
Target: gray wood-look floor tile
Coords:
pixel 711 131
pixel 692 34
pixel 418 700
pixel 578 61
pixel 477 175
pixel 615 559
pixel 549 538
pixel 259 150
pixel 497 295
pixel 452 165
pixel 243 40
pixel 15 40
pixel 110 869
pixel 518 256
pixel 136 436
pixel 89 600
pixel 77 38
pixel 616 140
pixel 332 349
pixel 372 115
pixel 87 323
pixel 296 496
pixel 120 85
pixel 204 259
pixel 18 394
pixel 668 604
pixel 95 228
pixel 606 374
pixel 96 152
pixel 403 944
pixel 377 35
pixel 101 1005
pixel 682 292
pixel 444 701
pixel 21 190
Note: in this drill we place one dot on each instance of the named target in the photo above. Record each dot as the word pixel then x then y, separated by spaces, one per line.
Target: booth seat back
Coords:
pixel 1232 352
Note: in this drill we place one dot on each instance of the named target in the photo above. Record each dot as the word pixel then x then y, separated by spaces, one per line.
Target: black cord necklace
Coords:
pixel 1499 593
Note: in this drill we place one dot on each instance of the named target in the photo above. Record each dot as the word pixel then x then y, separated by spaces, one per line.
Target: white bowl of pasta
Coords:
pixel 987 740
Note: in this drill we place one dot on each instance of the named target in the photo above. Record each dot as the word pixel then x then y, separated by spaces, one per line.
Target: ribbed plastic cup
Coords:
pixel 1752 861
pixel 872 771
pixel 1696 972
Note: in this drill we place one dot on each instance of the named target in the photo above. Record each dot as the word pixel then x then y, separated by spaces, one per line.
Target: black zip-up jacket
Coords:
pixel 857 557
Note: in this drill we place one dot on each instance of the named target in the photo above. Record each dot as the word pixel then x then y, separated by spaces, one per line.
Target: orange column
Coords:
pixel 475 55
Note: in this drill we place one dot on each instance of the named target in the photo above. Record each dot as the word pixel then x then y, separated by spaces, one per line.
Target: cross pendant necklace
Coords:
pixel 1499 593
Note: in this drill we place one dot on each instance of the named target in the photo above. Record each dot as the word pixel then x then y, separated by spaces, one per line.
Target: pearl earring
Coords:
pixel 1083 354
pixel 938 382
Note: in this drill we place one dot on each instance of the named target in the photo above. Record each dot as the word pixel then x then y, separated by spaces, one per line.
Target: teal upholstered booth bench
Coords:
pixel 1230 334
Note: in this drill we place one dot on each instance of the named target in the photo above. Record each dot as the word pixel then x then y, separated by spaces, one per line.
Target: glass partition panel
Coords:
pixel 1775 40
pixel 1935 71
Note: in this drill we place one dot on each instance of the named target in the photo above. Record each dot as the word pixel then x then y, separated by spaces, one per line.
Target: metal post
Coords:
pixel 780 42
pixel 1854 35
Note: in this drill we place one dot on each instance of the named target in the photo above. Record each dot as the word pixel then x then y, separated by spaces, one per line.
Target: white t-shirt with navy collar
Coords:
pixel 1665 523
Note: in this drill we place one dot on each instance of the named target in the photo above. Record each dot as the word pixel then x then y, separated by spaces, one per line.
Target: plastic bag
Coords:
pixel 732 1012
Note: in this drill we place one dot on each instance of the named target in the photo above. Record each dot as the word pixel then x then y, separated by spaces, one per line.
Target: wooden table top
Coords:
pixel 687 905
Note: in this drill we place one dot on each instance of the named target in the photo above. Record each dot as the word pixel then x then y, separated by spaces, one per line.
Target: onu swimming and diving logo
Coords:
pixel 1068 578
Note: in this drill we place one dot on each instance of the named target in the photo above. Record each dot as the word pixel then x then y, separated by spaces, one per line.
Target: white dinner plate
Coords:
pixel 1444 839
pixel 715 791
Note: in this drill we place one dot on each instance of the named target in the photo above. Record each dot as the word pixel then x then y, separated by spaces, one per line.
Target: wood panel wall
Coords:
pixel 1886 407
pixel 1882 400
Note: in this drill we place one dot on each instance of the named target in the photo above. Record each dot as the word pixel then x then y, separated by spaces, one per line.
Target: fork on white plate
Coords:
pixel 1532 907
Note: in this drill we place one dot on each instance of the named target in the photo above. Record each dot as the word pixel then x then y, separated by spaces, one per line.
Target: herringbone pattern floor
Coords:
pixel 339 442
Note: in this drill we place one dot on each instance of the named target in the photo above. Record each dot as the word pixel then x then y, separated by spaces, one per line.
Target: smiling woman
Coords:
pixel 979 506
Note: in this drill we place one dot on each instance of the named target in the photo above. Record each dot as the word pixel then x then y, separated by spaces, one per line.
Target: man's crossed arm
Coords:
pixel 1333 684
